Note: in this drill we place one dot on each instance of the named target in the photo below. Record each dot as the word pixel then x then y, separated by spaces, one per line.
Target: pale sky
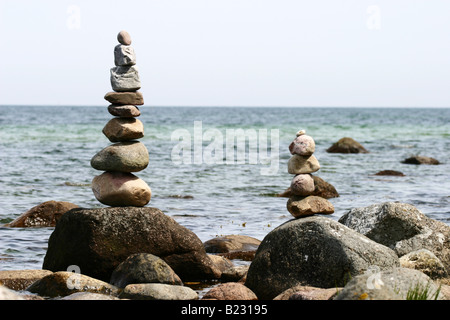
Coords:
pixel 230 52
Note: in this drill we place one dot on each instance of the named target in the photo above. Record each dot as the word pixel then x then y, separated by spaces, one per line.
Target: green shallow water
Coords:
pixel 46 151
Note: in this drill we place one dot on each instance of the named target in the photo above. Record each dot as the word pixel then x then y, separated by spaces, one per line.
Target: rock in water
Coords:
pixel 120 189
pixel 315 251
pixel 347 145
pixel 45 214
pixel 123 129
pixel 125 98
pixel 124 56
pixel 98 240
pixel 131 156
pixel 420 160
pixel 125 78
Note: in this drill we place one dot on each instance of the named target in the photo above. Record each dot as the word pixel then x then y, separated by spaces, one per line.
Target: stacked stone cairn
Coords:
pixel 118 186
pixel 302 201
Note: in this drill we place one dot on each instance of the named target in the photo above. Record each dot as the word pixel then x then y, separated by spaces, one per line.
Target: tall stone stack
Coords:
pixel 302 202
pixel 117 186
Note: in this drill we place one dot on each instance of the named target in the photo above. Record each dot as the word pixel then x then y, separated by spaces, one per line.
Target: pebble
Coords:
pixel 125 78
pixel 300 206
pixel 303 145
pixel 124 55
pixel 123 129
pixel 120 189
pixel 302 185
pixel 131 156
pixel 124 38
pixel 303 164
pixel 127 111
pixel 125 98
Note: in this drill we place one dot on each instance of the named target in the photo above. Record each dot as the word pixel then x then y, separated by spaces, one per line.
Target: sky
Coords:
pixel 378 53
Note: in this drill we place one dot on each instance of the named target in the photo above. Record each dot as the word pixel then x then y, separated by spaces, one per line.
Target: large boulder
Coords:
pixel 98 240
pixel 394 284
pixel 347 145
pixel 45 214
pixel 401 227
pixel 315 251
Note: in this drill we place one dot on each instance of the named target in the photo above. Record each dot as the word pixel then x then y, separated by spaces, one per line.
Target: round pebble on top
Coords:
pixel 301 132
pixel 124 38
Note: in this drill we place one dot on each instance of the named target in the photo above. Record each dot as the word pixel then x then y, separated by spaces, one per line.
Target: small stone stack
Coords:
pixel 117 186
pixel 302 202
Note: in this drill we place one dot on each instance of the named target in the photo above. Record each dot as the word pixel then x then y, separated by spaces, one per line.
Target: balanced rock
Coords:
pixel 127 111
pixel 123 129
pixel 98 240
pixel 124 38
pixel 303 145
pixel 303 164
pixel 124 55
pixel 130 156
pixel 315 251
pixel 300 206
pixel 302 185
pixel 125 78
pixel 121 189
pixel 125 98
pixel 347 145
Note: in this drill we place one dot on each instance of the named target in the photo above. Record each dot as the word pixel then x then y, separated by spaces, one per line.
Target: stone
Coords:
pixel 143 268
pixel 421 160
pixel 121 189
pixel 131 156
pixel 314 251
pixel 220 262
pixel 401 227
pixel 124 38
pixel 123 129
pixel 125 98
pixel 426 261
pixel 231 243
pixel 303 164
pixel 89 296
pixel 230 291
pixel 8 294
pixel 321 189
pixel 390 173
pixel 20 279
pixel 302 185
pixel 98 240
pixel 300 206
pixel 124 55
pixel 392 284
pixel 45 214
pixel 347 145
pixel 303 145
pixel 234 273
pixel 124 111
pixel 64 283
pixel 157 291
pixel 301 292
pixel 125 78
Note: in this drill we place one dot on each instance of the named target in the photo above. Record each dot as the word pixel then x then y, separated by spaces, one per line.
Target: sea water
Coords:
pixel 45 154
